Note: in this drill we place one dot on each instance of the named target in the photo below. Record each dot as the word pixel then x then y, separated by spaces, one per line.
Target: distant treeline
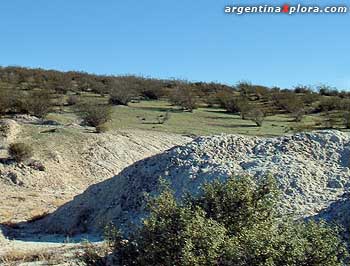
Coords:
pixel 62 82
pixel 17 83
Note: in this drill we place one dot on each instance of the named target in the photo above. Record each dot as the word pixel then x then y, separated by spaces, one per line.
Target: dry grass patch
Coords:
pixel 51 256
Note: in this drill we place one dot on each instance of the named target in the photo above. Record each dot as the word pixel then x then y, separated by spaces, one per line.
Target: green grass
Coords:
pixel 203 121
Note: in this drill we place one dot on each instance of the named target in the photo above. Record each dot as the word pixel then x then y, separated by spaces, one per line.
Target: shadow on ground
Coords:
pixel 80 219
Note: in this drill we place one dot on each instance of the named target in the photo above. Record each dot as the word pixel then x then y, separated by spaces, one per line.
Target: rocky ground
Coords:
pixel 67 160
pixel 312 171
pixel 116 168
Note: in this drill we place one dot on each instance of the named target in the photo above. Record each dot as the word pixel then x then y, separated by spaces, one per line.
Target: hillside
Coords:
pixel 311 169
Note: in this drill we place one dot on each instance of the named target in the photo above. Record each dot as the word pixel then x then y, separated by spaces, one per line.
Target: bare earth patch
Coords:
pixel 73 159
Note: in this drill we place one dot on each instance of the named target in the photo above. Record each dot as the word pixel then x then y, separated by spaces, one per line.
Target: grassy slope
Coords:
pixel 203 121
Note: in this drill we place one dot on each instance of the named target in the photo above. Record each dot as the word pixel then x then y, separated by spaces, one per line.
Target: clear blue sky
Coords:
pixel 194 40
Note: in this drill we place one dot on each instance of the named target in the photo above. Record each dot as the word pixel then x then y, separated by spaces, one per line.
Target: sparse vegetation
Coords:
pixel 72 100
pixel 120 93
pixel 257 116
pixel 298 114
pixel 47 256
pixel 227 101
pixel 185 97
pixel 102 128
pixel 95 115
pixel 163 117
pixel 39 92
pixel 219 109
pixel 10 102
pixel 38 103
pixel 329 121
pixel 347 120
pixel 20 152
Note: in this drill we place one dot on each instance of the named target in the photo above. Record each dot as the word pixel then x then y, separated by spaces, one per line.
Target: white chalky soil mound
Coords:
pixel 312 170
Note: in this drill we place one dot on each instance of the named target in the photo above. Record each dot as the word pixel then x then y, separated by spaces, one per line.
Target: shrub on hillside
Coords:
pixel 234 104
pixel 120 97
pixel 298 114
pixel 239 105
pixel 231 105
pixel 328 104
pixel 20 151
pixel 122 91
pixel 185 97
pixel 329 120
pixel 257 116
pixel 287 101
pixel 72 100
pixel 212 100
pixel 229 223
pixel 9 101
pixel 245 107
pixel 344 104
pixel 245 88
pixel 95 115
pixel 151 89
pixel 310 98
pixel 38 103
pixel 347 120
pixel 326 90
pixel 303 89
pixel 221 98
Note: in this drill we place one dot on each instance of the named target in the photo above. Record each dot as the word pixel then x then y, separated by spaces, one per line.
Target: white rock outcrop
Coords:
pixel 312 170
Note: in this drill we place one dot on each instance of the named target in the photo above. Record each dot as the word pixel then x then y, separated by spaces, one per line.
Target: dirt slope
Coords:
pixel 73 158
pixel 312 170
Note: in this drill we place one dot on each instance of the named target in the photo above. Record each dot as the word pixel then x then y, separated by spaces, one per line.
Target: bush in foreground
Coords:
pixel 232 223
pixel 20 151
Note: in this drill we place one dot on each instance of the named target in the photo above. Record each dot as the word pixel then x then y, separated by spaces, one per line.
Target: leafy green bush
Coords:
pixel 20 151
pixel 231 223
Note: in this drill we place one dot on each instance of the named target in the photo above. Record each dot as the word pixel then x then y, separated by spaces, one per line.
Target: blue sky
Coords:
pixel 192 40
